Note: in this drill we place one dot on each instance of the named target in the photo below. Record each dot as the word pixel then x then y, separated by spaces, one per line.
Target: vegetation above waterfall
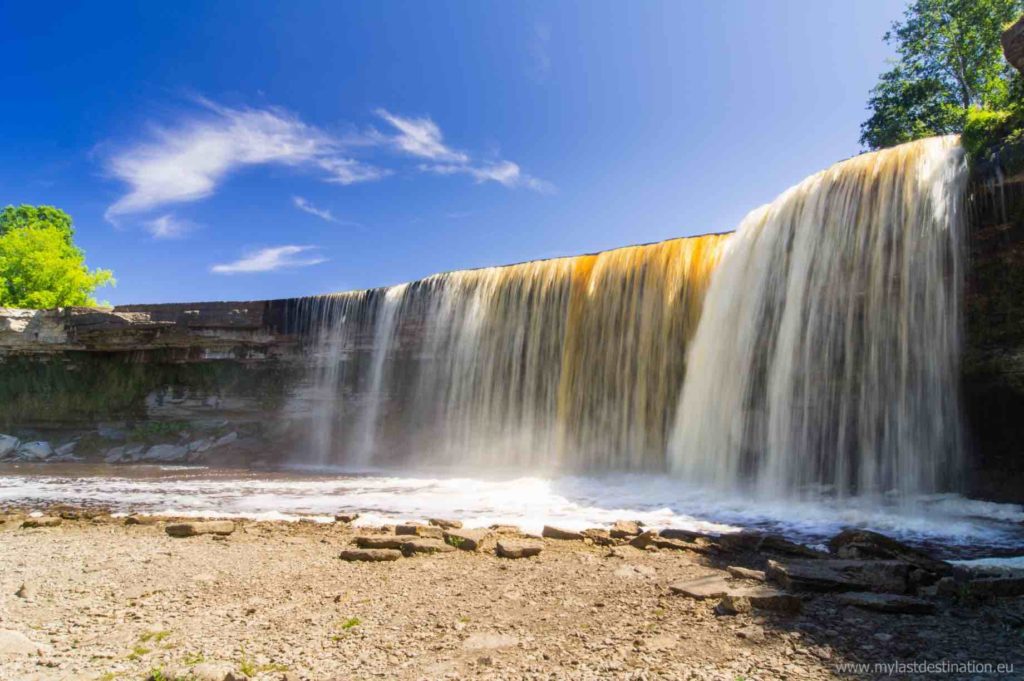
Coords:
pixel 949 75
pixel 40 265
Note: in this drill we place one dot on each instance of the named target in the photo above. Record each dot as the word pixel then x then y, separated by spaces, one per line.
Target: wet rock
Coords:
pixel 445 524
pixel 66 452
pixel 746 573
pixel 867 545
pixel 652 539
pixel 551 532
pixel 417 530
pixel 890 603
pixel 380 542
pixel 424 545
pixel 370 555
pixel 16 643
pixel 34 451
pixel 192 529
pixel 623 529
pixel 467 540
pixel 165 454
pixel 42 521
pixel 757 542
pixel 512 549
pixel 345 518
pixel 124 453
pixel 996 587
pixel 598 536
pixel 884 576
pixel 8 446
pixel 710 586
pixel 685 535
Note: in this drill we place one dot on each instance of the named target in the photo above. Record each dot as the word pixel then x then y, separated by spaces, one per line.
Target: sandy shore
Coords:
pixel 273 600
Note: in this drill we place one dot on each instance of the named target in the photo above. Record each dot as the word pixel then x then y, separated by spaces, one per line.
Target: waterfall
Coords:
pixel 815 348
pixel 570 363
pixel 827 355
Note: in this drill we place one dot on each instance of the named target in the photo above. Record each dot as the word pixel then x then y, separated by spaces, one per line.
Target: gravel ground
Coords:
pixel 273 600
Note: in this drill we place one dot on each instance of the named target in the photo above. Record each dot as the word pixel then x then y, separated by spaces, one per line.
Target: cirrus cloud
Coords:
pixel 271 259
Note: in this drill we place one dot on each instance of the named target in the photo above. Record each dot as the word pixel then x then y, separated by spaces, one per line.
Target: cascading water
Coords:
pixel 828 350
pixel 825 355
pixel 565 363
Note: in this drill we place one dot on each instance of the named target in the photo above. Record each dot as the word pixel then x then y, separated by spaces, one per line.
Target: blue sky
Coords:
pixel 224 150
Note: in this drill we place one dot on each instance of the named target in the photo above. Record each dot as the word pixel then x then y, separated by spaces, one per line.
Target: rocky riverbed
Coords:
pixel 84 595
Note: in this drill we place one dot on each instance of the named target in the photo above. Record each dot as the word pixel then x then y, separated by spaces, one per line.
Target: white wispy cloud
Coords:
pixel 187 162
pixel 168 227
pixel 421 137
pixel 322 213
pixel 504 173
pixel 270 259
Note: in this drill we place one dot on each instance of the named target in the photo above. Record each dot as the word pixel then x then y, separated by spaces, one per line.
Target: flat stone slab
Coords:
pixel 467 540
pixel 219 527
pixel 711 586
pixel 445 524
pixel 512 549
pixel 552 532
pixel 370 555
pixel 383 541
pixel 623 529
pixel 881 576
pixel 891 603
pixel 425 545
pixel 746 573
pixel 44 521
pixel 427 531
pixel 599 536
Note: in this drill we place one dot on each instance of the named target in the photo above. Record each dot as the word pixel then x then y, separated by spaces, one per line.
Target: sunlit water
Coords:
pixel 951 525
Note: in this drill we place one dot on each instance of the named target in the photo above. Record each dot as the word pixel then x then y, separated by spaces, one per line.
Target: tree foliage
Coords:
pixel 40 265
pixel 949 61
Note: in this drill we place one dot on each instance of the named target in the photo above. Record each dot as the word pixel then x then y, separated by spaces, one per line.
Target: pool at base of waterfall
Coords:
pixel 950 525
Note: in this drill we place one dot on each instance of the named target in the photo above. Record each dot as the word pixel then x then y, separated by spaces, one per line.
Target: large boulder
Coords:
pixel 759 542
pixel 882 576
pixel 8 445
pixel 166 454
pixel 1013 44
pixel 867 545
pixel 35 451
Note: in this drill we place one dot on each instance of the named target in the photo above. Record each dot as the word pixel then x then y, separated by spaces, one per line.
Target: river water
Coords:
pixel 948 524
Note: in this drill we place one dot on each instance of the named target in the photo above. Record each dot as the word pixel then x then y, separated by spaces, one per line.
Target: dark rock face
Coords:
pixel 1013 44
pixel 867 545
pixel 992 379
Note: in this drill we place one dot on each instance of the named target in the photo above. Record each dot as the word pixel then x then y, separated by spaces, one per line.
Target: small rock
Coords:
pixel 551 532
pixel 890 603
pixel 345 518
pixel 598 536
pixel 27 590
pixel 140 520
pixel 445 524
pixel 505 529
pixel 217 671
pixel 635 571
pixel 622 529
pixel 733 605
pixel 509 549
pixel 420 531
pixel 42 521
pixel 191 529
pixel 467 540
pixel 751 633
pixel 370 555
pixel 745 573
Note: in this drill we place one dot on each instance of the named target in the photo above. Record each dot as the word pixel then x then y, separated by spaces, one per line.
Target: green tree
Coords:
pixel 40 266
pixel 949 61
pixel 28 216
